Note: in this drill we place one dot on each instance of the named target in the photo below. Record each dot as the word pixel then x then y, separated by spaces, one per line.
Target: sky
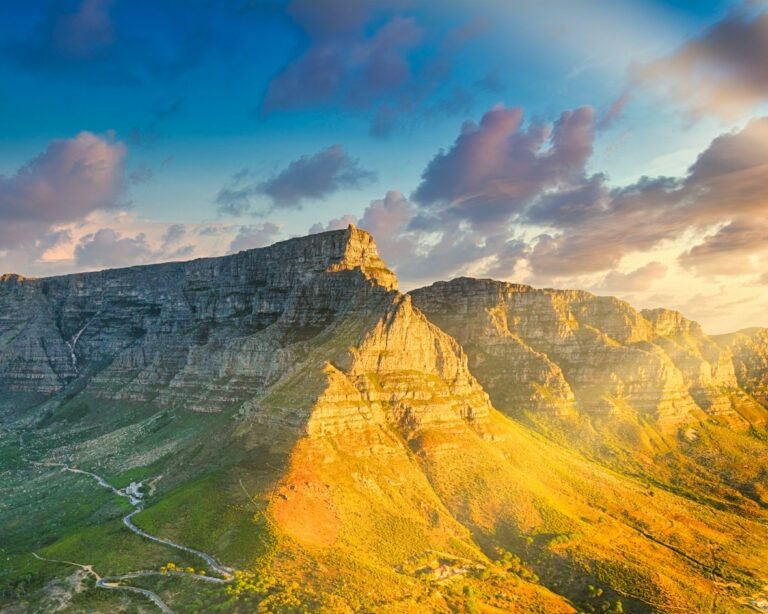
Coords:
pixel 618 146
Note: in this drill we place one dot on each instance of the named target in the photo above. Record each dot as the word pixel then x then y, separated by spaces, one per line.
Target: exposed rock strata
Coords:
pixel 750 359
pixel 205 332
pixel 595 353
pixel 217 332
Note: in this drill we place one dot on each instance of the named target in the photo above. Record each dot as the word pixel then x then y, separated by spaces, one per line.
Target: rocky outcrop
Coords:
pixel 405 372
pixel 220 332
pixel 547 350
pixel 202 334
pixel 217 332
pixel 707 368
pixel 34 355
pixel 516 375
pixel 750 359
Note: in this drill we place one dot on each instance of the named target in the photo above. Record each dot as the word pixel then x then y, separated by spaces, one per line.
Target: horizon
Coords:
pixel 517 143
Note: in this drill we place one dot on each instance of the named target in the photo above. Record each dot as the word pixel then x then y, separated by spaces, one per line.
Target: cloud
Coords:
pixel 173 235
pixel 84 32
pixel 722 72
pixel 257 235
pixel 511 200
pixel 107 248
pixel 333 17
pixel 315 177
pixel 71 179
pixel 363 56
pixel 110 248
pixel 730 251
pixel 420 255
pixel 507 194
pixel 640 279
pixel 338 223
pixel 149 42
pixel 612 114
pixel 352 70
pixel 495 169
pixel 599 225
pixel 308 178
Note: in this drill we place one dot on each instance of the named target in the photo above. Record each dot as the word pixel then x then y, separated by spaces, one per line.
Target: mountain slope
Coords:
pixel 291 413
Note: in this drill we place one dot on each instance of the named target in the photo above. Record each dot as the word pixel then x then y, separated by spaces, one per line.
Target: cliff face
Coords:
pixel 405 372
pixel 595 354
pixel 202 333
pixel 213 333
pixel 330 429
pixel 750 358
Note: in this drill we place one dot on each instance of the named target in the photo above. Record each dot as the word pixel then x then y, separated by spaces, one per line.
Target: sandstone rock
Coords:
pixel 552 350
pixel 750 358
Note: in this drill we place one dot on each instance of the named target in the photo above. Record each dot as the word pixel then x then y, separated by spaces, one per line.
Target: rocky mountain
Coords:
pixel 608 379
pixel 470 446
pixel 591 354
pixel 750 359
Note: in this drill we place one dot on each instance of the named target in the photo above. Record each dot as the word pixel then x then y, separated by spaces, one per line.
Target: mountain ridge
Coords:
pixel 348 447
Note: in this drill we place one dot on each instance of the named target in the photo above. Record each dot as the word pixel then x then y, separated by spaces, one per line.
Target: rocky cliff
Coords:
pixel 558 350
pixel 290 410
pixel 202 333
pixel 217 332
pixel 750 359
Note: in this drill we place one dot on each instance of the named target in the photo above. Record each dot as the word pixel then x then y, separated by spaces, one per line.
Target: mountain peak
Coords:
pixel 360 251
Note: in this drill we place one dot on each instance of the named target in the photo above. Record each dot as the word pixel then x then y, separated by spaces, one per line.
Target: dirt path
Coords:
pixel 134 496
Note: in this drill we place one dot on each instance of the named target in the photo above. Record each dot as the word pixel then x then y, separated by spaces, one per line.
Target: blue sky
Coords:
pixel 204 126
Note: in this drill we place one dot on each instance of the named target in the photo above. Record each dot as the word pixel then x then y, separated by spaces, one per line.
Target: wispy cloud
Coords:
pixel 723 71
pixel 69 180
pixel 308 178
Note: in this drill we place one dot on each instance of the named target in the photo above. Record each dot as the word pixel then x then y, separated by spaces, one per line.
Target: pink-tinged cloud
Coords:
pixel 496 169
pixel 722 72
pixel 599 225
pixel 108 248
pixel 69 180
pixel 732 250
pixel 639 280
pixel 526 179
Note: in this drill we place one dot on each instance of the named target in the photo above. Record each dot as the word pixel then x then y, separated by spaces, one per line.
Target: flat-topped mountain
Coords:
pixel 472 445
pixel 145 326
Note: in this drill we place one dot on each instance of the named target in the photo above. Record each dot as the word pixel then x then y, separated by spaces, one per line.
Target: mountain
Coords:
pixel 647 393
pixel 332 444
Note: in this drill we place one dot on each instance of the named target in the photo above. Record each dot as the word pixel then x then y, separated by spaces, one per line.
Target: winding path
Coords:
pixel 134 496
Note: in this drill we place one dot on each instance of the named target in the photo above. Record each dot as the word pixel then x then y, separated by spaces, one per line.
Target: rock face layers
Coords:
pixel 405 372
pixel 554 350
pixel 290 410
pixel 750 359
pixel 214 332
pixel 202 333
pixel 34 356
